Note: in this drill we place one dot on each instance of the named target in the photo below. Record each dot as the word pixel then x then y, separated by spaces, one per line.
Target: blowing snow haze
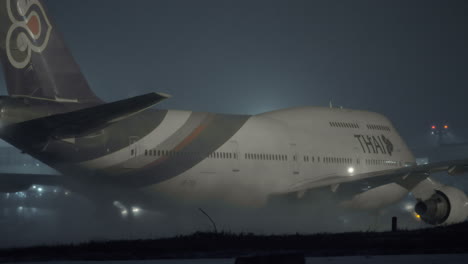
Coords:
pixel 404 59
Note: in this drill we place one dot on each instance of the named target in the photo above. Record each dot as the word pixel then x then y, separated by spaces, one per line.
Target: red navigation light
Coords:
pixel 434 127
pixel 446 127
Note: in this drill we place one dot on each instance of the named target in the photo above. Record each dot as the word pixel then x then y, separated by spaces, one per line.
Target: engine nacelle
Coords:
pixel 448 205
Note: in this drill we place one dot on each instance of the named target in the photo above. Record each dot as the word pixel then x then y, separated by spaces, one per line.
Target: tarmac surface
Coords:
pixel 400 259
pixel 432 244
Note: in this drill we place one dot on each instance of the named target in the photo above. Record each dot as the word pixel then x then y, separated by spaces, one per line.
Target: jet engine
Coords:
pixel 448 205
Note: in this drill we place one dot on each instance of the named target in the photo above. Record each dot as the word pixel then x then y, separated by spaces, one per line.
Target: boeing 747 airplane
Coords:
pixel 133 150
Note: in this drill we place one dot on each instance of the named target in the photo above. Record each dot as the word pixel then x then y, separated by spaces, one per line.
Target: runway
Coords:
pixel 401 259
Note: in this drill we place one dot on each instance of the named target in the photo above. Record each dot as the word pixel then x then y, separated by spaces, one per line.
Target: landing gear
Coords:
pixel 127 212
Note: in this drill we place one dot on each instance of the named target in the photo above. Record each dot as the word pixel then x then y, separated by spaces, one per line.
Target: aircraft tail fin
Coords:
pixel 35 59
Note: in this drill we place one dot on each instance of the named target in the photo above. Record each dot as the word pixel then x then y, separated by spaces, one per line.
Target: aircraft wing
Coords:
pixel 79 122
pixel 407 177
pixel 15 182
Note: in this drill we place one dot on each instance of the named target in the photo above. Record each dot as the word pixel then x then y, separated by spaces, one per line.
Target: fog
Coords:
pixel 404 59
pixel 51 215
pixel 55 216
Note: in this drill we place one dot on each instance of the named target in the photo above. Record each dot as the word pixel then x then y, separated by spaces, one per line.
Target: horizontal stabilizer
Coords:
pixel 81 122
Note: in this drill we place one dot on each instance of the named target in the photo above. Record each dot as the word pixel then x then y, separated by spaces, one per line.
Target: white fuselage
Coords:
pixel 276 151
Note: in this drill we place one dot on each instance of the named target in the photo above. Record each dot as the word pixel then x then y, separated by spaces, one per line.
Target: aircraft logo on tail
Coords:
pixel 30 31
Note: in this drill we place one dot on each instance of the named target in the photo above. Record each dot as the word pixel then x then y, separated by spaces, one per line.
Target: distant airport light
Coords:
pixel 21 195
pixel 445 127
pixel 136 210
pixel 350 170
pixel 40 189
pixel 434 127
pixel 417 216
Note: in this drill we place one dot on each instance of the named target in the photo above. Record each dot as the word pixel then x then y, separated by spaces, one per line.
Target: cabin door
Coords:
pixel 134 152
pixel 294 159
pixel 234 155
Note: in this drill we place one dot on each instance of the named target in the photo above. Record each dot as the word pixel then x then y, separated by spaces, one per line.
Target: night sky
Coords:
pixel 405 59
